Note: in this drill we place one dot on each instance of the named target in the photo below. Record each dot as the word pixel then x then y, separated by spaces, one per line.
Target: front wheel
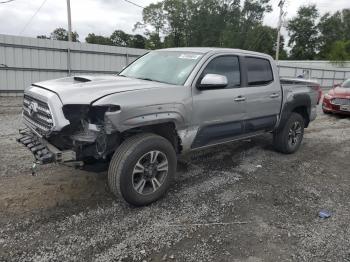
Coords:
pixel 142 169
pixel 288 139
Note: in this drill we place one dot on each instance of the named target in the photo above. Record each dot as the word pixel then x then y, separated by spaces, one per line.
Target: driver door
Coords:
pixel 219 113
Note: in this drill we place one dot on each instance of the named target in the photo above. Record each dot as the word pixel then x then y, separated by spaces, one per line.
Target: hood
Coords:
pixel 340 92
pixel 85 89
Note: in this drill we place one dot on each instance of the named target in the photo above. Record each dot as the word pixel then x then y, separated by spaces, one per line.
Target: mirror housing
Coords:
pixel 212 81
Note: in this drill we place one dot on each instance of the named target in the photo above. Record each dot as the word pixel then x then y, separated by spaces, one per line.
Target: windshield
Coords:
pixel 170 67
pixel 346 84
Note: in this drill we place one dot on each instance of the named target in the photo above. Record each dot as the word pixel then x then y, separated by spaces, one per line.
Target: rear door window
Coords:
pixel 259 71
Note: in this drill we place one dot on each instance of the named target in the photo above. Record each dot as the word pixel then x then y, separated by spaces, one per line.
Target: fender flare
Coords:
pixel 295 101
pixel 153 119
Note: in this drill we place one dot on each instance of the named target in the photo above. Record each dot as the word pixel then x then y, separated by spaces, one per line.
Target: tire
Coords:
pixel 288 139
pixel 142 169
pixel 326 112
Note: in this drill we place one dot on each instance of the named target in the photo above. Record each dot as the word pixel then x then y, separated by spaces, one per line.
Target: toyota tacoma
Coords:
pixel 166 103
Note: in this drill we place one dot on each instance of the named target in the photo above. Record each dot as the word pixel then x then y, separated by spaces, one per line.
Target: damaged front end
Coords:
pixel 90 133
pixel 88 136
pixel 43 151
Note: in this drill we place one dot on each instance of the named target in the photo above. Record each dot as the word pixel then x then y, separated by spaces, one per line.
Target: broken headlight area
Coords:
pixel 89 134
pixel 92 114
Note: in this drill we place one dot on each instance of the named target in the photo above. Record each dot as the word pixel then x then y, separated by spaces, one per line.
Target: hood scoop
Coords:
pixel 81 79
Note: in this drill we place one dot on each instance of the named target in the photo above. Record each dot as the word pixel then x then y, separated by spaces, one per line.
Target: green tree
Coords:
pixel 222 23
pixel 263 39
pixel 177 20
pixel 233 23
pixel 120 38
pixel 207 20
pixel 62 35
pixel 154 15
pixel 43 37
pixel 340 52
pixel 303 33
pixel 331 30
pixel 346 23
pixel 137 41
pixel 98 39
pixel 242 23
pixel 252 15
pixel 153 41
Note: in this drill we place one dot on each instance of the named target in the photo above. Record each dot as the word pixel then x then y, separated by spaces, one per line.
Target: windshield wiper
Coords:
pixel 149 79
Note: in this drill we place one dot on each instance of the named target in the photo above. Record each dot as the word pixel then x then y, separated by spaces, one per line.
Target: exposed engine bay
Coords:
pixel 90 133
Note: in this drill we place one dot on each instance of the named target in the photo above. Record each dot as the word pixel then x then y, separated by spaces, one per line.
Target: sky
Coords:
pixel 105 16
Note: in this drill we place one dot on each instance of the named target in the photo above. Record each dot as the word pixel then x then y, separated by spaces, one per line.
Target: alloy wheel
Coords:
pixel 294 134
pixel 149 172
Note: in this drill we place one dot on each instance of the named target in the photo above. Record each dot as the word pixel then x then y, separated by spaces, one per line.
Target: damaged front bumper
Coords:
pixel 43 151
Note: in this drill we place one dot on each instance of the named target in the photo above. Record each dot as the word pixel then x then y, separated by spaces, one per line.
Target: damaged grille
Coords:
pixel 37 114
pixel 341 101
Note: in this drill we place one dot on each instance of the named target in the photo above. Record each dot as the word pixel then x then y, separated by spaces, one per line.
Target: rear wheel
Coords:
pixel 142 169
pixel 288 139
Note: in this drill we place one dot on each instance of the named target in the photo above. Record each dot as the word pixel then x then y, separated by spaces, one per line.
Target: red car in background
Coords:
pixel 338 99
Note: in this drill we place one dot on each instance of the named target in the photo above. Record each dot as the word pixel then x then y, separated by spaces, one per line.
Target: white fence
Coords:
pixel 25 60
pixel 326 73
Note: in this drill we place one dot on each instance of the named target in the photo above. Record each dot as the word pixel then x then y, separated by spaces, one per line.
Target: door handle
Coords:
pixel 274 95
pixel 239 98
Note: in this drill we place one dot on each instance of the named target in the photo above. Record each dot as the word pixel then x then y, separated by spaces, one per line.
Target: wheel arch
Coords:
pixel 301 104
pixel 166 129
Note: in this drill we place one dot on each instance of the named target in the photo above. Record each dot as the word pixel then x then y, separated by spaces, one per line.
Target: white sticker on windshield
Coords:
pixel 189 56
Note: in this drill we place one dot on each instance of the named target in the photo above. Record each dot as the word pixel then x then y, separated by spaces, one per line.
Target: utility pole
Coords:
pixel 69 22
pixel 280 5
pixel 69 37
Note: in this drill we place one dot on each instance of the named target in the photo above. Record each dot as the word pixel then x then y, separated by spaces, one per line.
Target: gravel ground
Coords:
pixel 238 202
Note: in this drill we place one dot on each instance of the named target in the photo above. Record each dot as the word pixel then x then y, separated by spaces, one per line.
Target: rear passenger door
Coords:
pixel 263 94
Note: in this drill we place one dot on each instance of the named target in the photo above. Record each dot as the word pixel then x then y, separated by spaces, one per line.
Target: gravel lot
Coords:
pixel 223 207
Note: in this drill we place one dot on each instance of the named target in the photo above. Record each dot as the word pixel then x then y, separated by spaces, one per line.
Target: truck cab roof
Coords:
pixel 206 50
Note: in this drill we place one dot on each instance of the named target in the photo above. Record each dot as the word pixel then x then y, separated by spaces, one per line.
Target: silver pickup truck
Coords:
pixel 166 103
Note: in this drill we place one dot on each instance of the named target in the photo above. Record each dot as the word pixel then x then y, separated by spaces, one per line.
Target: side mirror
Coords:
pixel 211 81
